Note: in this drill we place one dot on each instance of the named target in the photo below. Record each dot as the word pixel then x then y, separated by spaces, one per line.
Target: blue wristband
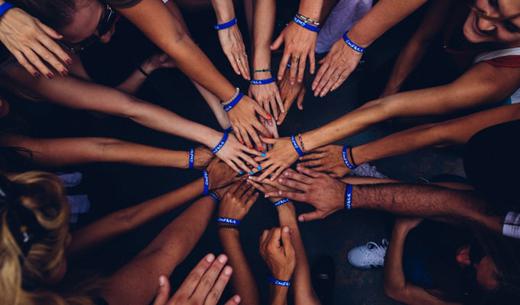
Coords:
pixel 214 196
pixel 354 46
pixel 266 81
pixel 220 144
pixel 234 102
pixel 348 197
pixel 225 25
pixel 296 146
pixel 305 25
pixel 5 7
pixel 191 158
pixel 229 129
pixel 205 177
pixel 228 221
pixel 280 202
pixel 347 162
pixel 278 282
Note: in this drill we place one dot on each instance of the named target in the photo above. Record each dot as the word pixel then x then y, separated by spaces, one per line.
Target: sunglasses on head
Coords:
pixel 107 20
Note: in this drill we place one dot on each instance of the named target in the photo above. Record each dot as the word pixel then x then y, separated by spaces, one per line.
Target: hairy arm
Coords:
pixel 125 220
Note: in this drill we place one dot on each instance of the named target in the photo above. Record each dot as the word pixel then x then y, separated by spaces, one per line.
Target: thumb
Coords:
pixel 164 291
pixel 299 102
pixel 315 215
pixel 51 32
pixel 286 239
pixel 278 42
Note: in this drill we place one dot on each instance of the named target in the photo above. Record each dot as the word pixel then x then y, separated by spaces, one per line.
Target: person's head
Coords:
pixel 34 233
pixel 494 21
pixel 81 22
pixel 4 107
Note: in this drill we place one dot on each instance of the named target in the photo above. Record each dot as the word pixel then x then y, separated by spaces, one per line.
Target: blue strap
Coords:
pixel 234 102
pixel 191 158
pixel 228 221
pixel 220 144
pixel 354 46
pixel 229 129
pixel 266 81
pixel 278 282
pixel 205 176
pixel 348 197
pixel 296 146
pixel 214 196
pixel 305 25
pixel 5 7
pixel 225 25
pixel 281 202
pixel 347 162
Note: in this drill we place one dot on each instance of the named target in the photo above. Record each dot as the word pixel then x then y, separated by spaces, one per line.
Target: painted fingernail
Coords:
pixel 222 258
pixel 69 61
pixel 240 173
pixel 259 167
pixel 37 75
pixel 50 75
pixel 251 173
pixel 210 258
pixel 263 155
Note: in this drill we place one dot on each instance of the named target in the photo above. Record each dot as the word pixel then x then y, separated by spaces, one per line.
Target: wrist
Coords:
pixel 224 10
pixel 358 38
pixel 211 138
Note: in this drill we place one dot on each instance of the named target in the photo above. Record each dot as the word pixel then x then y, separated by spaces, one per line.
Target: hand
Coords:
pixel 299 43
pixel 407 223
pixel 236 155
pixel 327 159
pixel 278 253
pixel 290 93
pixel 335 68
pixel 158 61
pixel 321 191
pixel 268 186
pixel 203 157
pixel 280 157
pixel 243 118
pixel 267 96
pixel 233 46
pixel 237 202
pixel 220 175
pixel 30 41
pixel 203 286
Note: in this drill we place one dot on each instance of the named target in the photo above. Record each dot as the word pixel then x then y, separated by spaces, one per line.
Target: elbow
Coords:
pixel 394 292
pixel 125 220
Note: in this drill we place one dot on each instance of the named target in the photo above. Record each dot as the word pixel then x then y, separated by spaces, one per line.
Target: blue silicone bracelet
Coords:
pixel 234 102
pixel 5 7
pixel 354 46
pixel 278 282
pixel 191 158
pixel 348 197
pixel 347 162
pixel 280 202
pixel 228 221
pixel 229 129
pixel 225 25
pixel 214 196
pixel 266 81
pixel 205 176
pixel 305 25
pixel 220 144
pixel 296 146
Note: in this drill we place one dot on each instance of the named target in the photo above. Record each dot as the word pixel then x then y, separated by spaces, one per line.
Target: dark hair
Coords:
pixel 54 13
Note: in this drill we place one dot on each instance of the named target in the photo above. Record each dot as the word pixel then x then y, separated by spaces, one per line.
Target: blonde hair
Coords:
pixel 42 194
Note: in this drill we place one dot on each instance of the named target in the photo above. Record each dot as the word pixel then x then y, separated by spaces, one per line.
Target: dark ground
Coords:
pixel 113 186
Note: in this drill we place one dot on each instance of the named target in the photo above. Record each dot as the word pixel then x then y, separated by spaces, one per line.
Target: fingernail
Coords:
pixel 237 299
pixel 251 173
pixel 269 117
pixel 259 167
pixel 240 173
pixel 162 281
pixel 263 155
pixel 69 61
pixel 286 229
pixel 210 258
pixel 222 258
pixel 286 174
pixel 50 75
pixel 280 180
pixel 266 196
pixel 228 270
pixel 37 75
pixel 64 73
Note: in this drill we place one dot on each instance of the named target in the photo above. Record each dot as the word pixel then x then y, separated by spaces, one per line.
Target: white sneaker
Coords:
pixel 371 255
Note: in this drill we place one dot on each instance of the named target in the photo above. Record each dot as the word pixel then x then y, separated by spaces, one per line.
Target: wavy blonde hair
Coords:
pixel 44 195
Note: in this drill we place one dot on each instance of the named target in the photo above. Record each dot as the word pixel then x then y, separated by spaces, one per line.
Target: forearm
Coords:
pixel 311 8
pixel 425 201
pixel 158 24
pixel 411 55
pixel 243 279
pixel 278 295
pixel 302 276
pixel 224 10
pixel 125 220
pixel 265 13
pixel 456 131
pixel 215 105
pixel 383 16
pixel 394 276
pixel 133 82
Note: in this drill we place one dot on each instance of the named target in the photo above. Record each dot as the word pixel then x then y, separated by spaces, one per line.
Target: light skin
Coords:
pixel 33 44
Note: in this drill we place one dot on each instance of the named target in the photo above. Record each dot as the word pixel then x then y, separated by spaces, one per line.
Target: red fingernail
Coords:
pixel 37 75
pixel 69 61
pixel 269 117
pixel 50 75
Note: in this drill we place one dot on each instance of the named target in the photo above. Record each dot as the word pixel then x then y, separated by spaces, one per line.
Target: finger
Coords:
pixel 290 174
pixel 279 101
pixel 281 118
pixel 274 240
pixel 312 61
pixel 293 71
pixel 312 163
pixel 251 200
pixel 237 133
pixel 24 63
pixel 233 166
pixel 234 300
pixel 256 139
pixel 283 64
pixel 241 164
pixel 301 68
pixel 257 185
pixel 287 242
pixel 315 215
pixel 164 291
pixel 216 291
pixel 244 66
pixel 278 42
pixel 262 112
pixel 290 195
pixel 268 182
pixel 47 56
pixel 343 77
pixel 312 156
pixel 293 184
pixel 268 140
pixel 234 63
pixel 324 81
pixel 208 279
pixel 251 151
pixel 308 172
pixel 55 48
pixel 249 160
pixel 332 79
pixel 321 72
pixel 234 188
pixel 268 169
pixel 242 190
pixel 192 280
pixel 299 102
pixel 277 173
pixel 264 236
pixel 49 31
pixel 245 137
pixel 274 106
pixel 262 129
pixel 37 63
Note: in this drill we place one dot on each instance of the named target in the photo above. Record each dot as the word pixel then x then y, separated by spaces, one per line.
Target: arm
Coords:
pixel 74 151
pixel 414 50
pixel 396 286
